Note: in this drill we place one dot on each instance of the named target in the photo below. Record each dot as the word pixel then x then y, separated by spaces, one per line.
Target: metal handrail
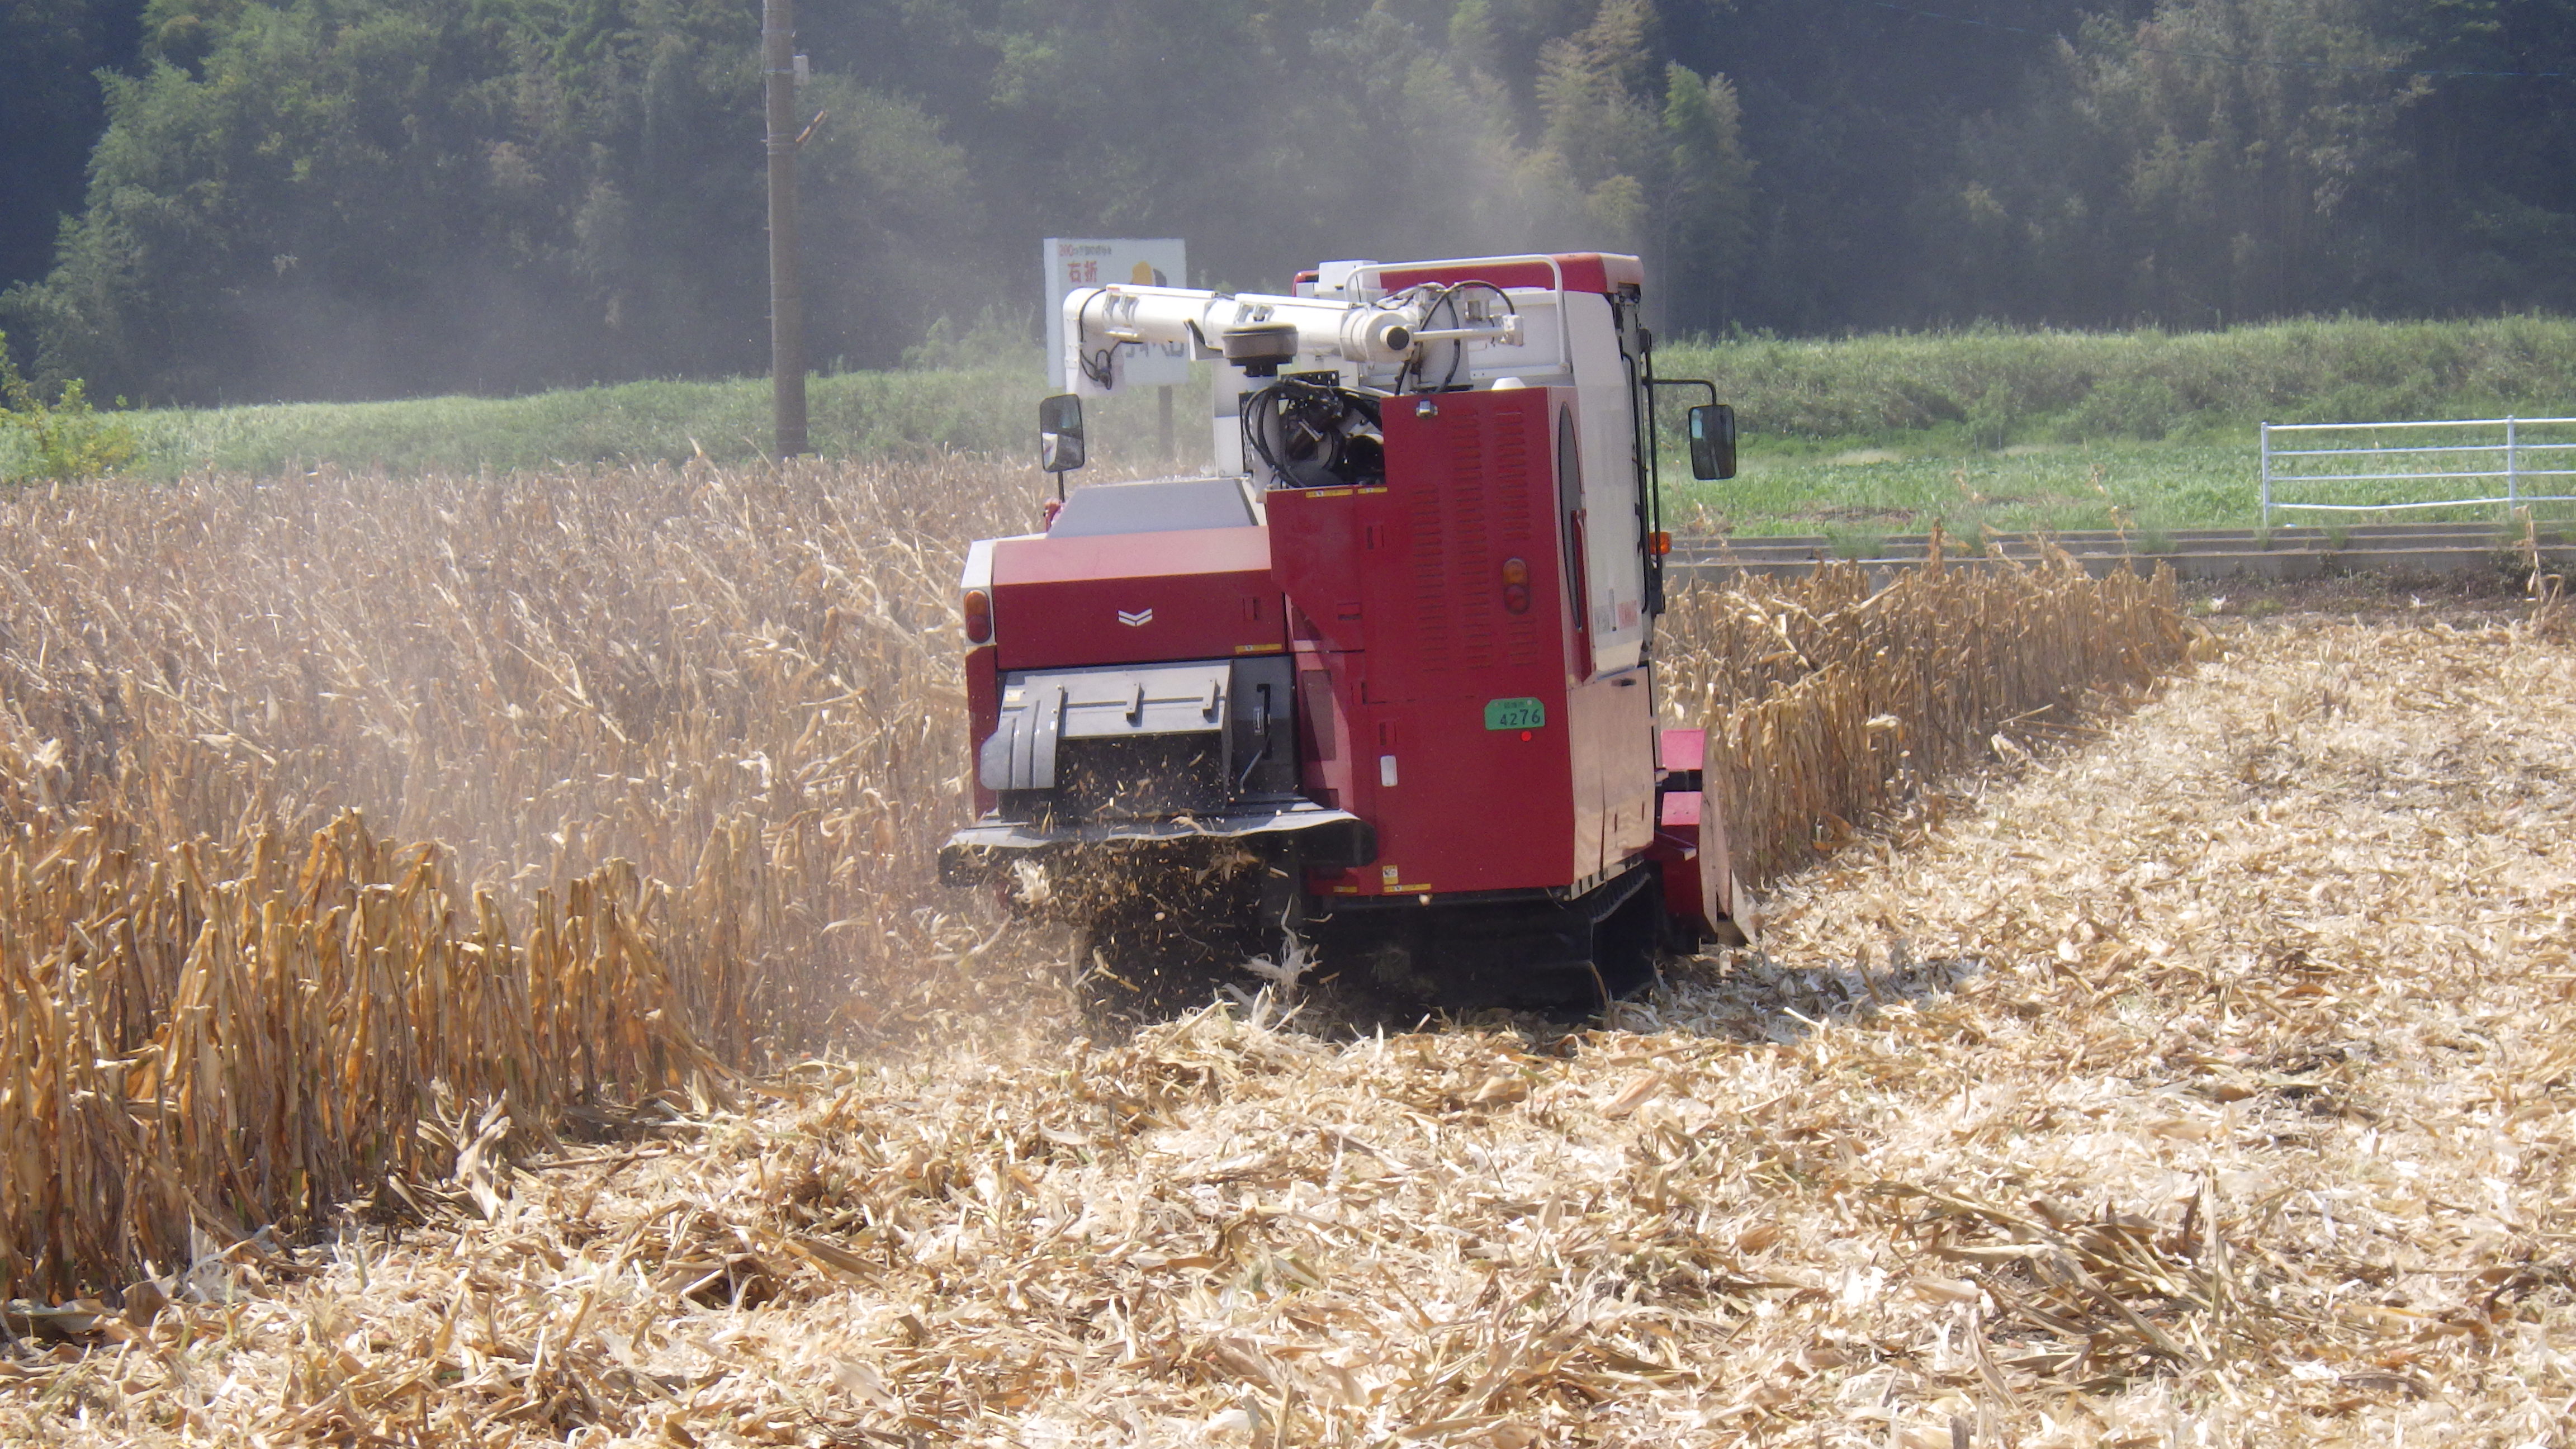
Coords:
pixel 2399 477
pixel 2441 448
pixel 2400 507
pixel 2425 423
pixel 1376 273
pixel 2513 473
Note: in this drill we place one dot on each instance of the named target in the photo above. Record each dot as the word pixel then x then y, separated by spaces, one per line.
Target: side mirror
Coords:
pixel 1060 447
pixel 1712 442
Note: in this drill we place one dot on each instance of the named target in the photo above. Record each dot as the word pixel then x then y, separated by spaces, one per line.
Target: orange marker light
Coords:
pixel 1659 543
pixel 1515 571
pixel 979 617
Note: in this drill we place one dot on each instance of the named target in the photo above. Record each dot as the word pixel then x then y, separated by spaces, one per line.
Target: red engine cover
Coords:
pixel 1135 598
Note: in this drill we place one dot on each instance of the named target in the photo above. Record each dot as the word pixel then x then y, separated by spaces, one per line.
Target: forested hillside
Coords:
pixel 355 198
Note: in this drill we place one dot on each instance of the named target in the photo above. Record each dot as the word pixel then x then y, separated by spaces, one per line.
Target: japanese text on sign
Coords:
pixel 1072 262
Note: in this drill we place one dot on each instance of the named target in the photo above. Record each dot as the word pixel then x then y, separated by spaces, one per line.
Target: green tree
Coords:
pixel 2251 180
pixel 888 200
pixel 370 197
pixel 2487 218
pixel 1706 206
pixel 1273 137
pixel 347 197
pixel 50 113
pixel 2221 160
pixel 1657 151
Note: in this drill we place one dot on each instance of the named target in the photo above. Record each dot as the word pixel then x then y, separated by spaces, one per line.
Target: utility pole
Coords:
pixel 786 304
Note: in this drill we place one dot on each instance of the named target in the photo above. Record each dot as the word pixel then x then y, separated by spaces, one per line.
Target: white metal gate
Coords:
pixel 2525 454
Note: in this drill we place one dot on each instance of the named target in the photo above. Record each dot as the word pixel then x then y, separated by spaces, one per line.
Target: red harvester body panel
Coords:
pixel 1405 641
pixel 1134 598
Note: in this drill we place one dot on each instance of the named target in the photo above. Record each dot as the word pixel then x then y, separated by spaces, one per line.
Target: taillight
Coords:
pixel 1516 594
pixel 979 617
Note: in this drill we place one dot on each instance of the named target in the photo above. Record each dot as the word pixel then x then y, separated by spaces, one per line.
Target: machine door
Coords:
pixel 1444 634
pixel 1604 424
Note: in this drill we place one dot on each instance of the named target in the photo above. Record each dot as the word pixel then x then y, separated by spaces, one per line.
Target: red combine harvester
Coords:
pixel 1377 694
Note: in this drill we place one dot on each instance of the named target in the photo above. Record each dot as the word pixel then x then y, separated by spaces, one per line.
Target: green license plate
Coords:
pixel 1515 714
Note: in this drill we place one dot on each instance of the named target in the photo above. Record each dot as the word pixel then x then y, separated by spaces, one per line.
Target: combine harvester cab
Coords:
pixel 1382 688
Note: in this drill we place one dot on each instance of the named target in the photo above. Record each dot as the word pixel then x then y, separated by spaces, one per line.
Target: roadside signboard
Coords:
pixel 1072 262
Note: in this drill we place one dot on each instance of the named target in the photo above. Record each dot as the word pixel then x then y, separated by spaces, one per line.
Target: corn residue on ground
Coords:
pixel 2207 1083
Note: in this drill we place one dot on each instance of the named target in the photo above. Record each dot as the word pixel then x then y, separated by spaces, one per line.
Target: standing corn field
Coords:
pixel 335 1012
pixel 680 738
pixel 1827 703
pixel 348 820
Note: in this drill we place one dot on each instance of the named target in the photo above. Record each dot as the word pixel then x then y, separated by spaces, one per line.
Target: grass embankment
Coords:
pixel 1855 437
pixel 903 413
pixel 2061 430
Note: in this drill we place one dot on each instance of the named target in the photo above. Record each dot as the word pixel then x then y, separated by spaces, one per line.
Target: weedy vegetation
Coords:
pixel 1985 428
pixel 958 401
pixel 1994 386
pixel 63 439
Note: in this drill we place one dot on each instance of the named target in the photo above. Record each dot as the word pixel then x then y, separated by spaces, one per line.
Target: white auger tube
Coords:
pixel 1097 319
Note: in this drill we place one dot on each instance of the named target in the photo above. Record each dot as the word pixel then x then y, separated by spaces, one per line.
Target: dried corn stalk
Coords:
pixel 326 1011
pixel 684 740
pixel 1826 702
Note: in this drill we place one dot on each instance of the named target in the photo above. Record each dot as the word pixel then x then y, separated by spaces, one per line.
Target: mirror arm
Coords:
pixel 1703 384
pixel 1709 389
